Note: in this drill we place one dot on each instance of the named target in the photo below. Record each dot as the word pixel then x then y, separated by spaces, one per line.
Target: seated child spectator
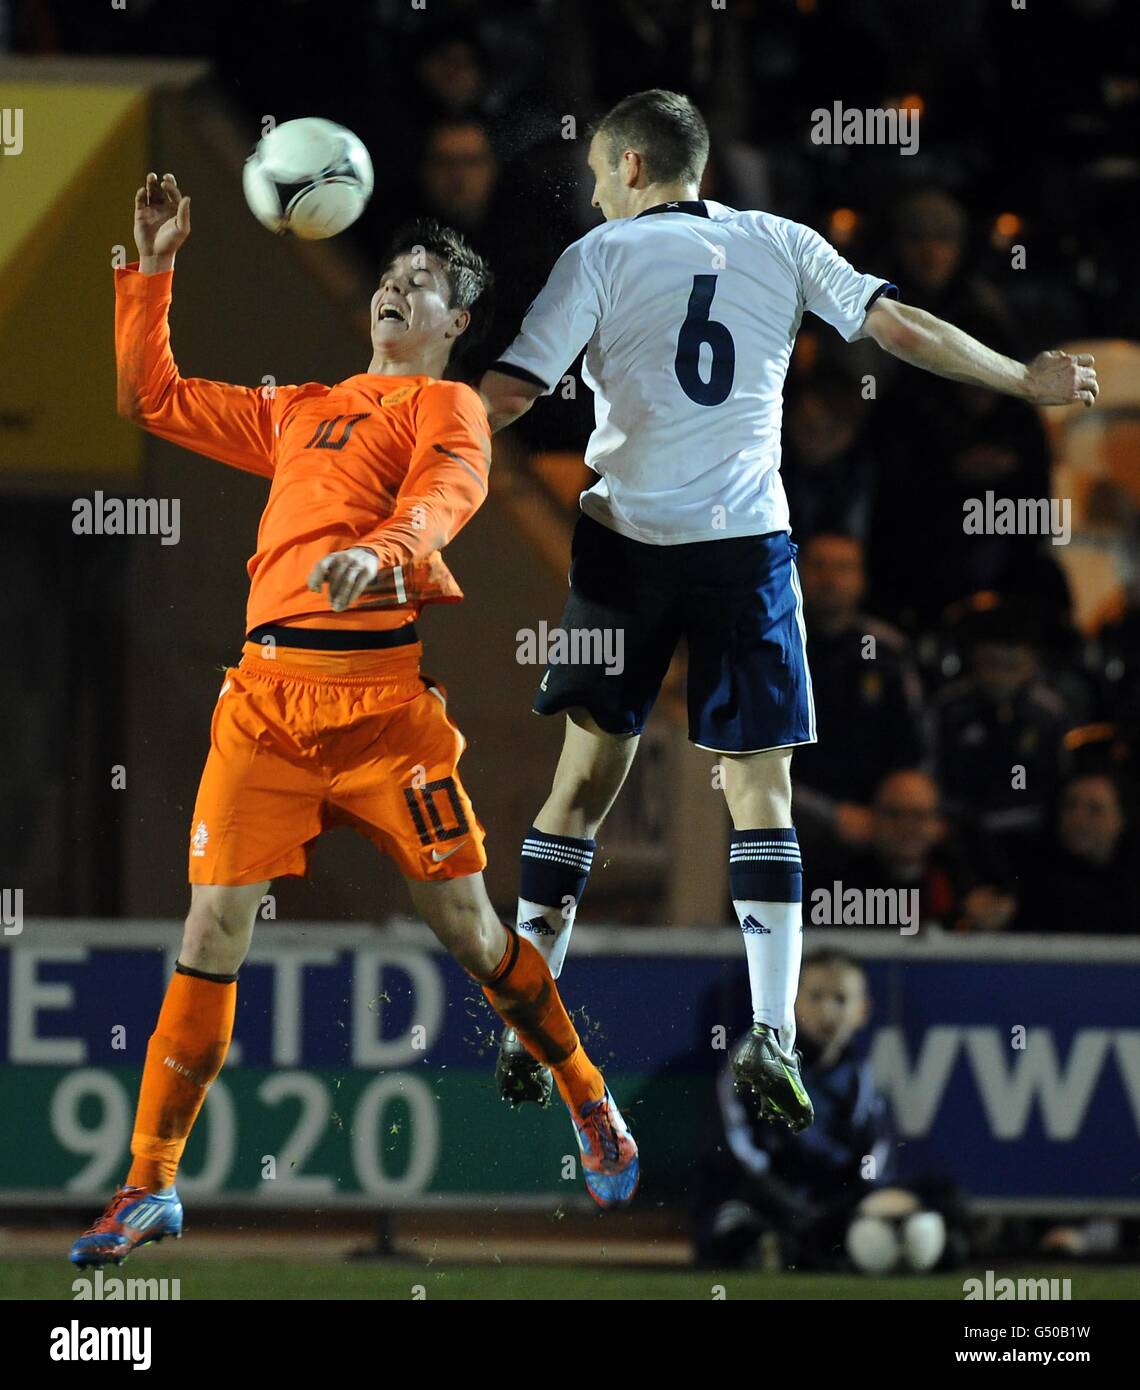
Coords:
pixel 805 1190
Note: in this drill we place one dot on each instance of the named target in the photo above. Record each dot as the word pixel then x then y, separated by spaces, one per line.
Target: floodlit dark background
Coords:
pixel 1027 125
pixel 987 756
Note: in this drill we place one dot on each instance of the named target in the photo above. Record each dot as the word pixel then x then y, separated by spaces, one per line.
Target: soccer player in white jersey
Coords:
pixel 688 311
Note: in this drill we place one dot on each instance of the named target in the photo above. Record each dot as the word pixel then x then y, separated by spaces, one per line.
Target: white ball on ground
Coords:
pixel 873 1244
pixel 923 1240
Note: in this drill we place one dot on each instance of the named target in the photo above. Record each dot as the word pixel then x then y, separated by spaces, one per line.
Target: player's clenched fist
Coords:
pixel 1058 378
pixel 162 222
pixel 348 573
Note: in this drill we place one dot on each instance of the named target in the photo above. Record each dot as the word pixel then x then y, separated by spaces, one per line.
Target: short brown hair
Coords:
pixel 665 128
pixel 469 278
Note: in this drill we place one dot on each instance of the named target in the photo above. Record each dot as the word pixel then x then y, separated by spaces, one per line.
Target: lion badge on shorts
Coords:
pixel 199 840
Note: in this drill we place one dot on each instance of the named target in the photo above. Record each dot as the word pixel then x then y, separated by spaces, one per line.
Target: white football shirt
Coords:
pixel 688 313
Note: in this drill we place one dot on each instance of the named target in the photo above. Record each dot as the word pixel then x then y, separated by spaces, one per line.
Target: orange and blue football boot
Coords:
pixel 609 1153
pixel 133 1217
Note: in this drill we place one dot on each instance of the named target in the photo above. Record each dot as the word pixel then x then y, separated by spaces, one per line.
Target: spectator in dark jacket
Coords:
pixel 828 475
pixel 1000 731
pixel 868 700
pixel 1083 877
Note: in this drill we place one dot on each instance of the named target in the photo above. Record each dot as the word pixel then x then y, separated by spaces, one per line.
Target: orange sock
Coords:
pixel 185 1053
pixel 523 993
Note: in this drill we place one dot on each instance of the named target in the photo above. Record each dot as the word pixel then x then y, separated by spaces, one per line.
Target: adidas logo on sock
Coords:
pixel 538 925
pixel 751 925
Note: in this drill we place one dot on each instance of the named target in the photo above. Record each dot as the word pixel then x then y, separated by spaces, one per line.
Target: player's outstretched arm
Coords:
pixel 505 397
pixel 914 336
pixel 233 424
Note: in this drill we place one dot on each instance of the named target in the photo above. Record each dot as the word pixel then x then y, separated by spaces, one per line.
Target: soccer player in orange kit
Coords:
pixel 327 720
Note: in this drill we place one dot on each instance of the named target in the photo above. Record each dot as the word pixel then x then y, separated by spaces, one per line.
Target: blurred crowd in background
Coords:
pixel 987 752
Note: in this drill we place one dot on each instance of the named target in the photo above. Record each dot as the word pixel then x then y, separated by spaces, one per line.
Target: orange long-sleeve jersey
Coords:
pixel 398 463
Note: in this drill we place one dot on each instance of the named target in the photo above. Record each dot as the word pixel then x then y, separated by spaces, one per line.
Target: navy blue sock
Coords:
pixel 552 879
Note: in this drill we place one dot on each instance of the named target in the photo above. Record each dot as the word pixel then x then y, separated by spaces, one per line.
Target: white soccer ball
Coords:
pixel 873 1244
pixel 923 1240
pixel 309 177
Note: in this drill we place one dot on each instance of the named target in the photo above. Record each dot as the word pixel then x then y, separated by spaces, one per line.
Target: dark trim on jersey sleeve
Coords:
pixel 695 209
pixel 509 369
pixel 891 291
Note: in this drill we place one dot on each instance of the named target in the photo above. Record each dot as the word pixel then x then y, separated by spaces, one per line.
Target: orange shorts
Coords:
pixel 313 740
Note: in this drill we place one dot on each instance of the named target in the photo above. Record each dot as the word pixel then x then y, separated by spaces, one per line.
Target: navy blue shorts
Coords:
pixel 736 602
